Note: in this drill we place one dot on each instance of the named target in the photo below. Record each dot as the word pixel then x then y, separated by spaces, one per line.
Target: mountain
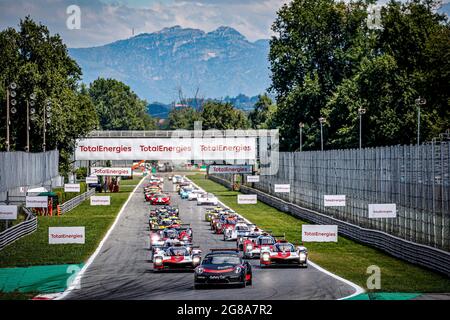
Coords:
pixel 156 65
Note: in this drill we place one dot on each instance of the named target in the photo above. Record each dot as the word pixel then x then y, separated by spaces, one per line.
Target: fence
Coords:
pixel 415 178
pixel 20 230
pixel 426 256
pixel 74 202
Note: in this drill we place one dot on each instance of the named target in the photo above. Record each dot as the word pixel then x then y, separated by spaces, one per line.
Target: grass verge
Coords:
pixel 35 250
pixel 345 258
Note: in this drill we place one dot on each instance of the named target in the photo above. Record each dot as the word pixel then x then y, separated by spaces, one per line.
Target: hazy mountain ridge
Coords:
pixel 220 63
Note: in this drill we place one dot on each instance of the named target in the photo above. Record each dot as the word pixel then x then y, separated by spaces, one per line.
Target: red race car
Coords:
pixel 159 198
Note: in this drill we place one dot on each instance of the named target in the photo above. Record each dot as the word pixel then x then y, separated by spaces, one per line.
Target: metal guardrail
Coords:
pixel 74 202
pixel 20 230
pixel 419 254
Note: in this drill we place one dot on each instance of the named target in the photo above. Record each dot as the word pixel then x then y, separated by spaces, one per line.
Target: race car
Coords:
pixel 161 224
pixel 194 194
pixel 252 246
pixel 176 257
pixel 184 192
pixel 212 212
pixel 223 266
pixel 239 230
pixel 209 198
pixel 284 253
pixel 255 233
pixel 159 198
pixel 159 237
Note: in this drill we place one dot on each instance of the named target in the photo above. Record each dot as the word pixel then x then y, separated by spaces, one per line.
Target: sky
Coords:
pixel 105 21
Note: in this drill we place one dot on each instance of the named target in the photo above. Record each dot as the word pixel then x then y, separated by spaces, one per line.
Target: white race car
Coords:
pixel 239 230
pixel 209 198
pixel 284 253
pixel 177 257
pixel 195 194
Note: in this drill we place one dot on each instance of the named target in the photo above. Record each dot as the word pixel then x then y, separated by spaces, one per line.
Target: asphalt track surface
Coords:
pixel 123 269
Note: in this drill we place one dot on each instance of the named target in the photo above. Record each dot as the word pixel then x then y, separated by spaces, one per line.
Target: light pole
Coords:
pixel 10 93
pixel 30 103
pixel 361 111
pixel 322 120
pixel 301 126
pixel 419 102
pixel 47 120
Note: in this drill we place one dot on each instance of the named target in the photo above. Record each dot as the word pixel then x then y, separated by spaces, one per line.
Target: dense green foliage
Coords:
pixel 325 61
pixel 39 63
pixel 261 117
pixel 214 115
pixel 118 107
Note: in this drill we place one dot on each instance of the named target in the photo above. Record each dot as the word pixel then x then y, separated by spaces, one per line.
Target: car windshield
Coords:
pixel 241 228
pixel 266 240
pixel 166 222
pixel 284 247
pixel 170 233
pixel 210 195
pixel 222 259
pixel 178 251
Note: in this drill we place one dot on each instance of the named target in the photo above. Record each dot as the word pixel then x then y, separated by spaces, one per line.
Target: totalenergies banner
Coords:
pixel 227 148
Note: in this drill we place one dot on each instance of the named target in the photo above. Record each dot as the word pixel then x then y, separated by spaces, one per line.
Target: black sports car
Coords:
pixel 225 267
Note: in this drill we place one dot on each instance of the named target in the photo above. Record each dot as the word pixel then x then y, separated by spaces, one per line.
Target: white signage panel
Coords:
pixel 8 212
pixel 247 199
pixel 283 188
pixel 65 235
pixel 230 169
pixel 252 179
pixel 93 179
pixel 175 148
pixel 124 172
pixel 36 202
pixel 100 200
pixel 319 233
pixel 384 210
pixel 72 187
pixel 334 200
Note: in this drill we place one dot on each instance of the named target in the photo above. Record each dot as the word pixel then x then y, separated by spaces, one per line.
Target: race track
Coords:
pixel 122 269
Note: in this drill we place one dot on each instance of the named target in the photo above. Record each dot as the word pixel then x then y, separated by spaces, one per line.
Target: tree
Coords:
pixel 223 116
pixel 183 118
pixel 261 117
pixel 118 107
pixel 315 47
pixel 39 63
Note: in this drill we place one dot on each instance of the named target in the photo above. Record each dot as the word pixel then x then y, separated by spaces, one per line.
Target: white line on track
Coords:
pixel 77 281
pixel 358 289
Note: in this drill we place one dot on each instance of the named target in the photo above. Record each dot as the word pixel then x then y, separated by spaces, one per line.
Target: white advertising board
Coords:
pixel 175 148
pixel 283 188
pixel 36 202
pixel 92 179
pixel 230 169
pixel 247 199
pixel 8 212
pixel 382 210
pixel 72 187
pixel 252 179
pixel 319 233
pixel 334 200
pixel 65 235
pixel 100 200
pixel 124 172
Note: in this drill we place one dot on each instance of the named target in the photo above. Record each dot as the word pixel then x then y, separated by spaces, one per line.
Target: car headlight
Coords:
pixel 185 238
pixel 266 257
pixel 158 260
pixel 302 256
pixel 196 260
pixel 249 247
pixel 238 270
pixel 199 270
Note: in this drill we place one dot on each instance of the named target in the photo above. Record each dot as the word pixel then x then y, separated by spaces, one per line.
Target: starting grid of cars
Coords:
pixel 172 247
